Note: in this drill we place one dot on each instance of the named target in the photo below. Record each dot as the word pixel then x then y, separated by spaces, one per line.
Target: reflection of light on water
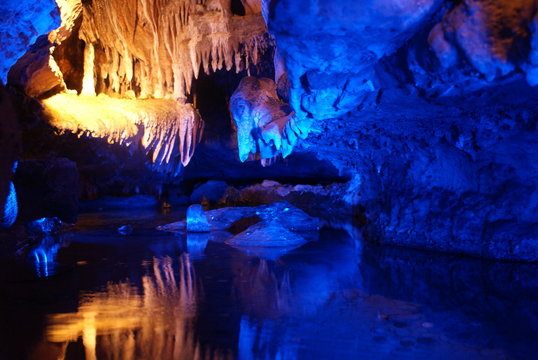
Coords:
pixel 124 322
pixel 44 256
pixel 276 290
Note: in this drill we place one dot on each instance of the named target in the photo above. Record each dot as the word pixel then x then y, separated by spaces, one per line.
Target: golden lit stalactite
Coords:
pixel 167 130
pixel 140 58
pixel 156 47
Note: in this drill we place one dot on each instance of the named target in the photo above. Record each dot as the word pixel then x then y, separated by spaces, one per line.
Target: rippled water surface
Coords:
pixel 95 294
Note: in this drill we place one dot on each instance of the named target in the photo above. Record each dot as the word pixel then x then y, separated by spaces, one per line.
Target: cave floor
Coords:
pixel 96 294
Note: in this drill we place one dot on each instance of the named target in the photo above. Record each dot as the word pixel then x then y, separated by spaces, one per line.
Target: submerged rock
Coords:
pixel 197 219
pixel 266 231
pixel 282 212
pixel 267 234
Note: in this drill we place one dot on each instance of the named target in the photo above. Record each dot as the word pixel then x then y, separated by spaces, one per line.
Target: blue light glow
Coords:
pixel 11 208
pixel 44 256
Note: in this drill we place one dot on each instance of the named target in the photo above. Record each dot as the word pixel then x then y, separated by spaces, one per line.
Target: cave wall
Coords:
pixel 442 140
pixel 428 106
pixel 22 23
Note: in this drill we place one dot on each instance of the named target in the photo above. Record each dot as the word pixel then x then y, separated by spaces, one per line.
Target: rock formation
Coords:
pixel 428 106
pixel 154 51
pixel 22 22
pixel 265 125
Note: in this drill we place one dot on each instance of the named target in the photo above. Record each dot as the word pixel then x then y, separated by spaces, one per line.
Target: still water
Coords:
pixel 95 294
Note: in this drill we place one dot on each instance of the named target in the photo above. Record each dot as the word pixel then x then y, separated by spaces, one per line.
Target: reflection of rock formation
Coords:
pixel 298 284
pixel 281 298
pixel 501 297
pixel 264 340
pixel 44 255
pixel 264 291
pixel 125 322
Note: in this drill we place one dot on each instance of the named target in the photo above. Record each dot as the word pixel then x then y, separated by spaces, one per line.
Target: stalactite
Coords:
pixel 184 36
pixel 167 130
pixel 140 51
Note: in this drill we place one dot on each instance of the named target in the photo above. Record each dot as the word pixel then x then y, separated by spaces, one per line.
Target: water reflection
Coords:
pixel 44 255
pixel 126 322
pixel 328 299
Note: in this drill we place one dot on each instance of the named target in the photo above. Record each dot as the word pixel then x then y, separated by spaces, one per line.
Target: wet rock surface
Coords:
pixel 197 219
pixel 265 234
pixel 255 230
pixel 464 183
pixel 286 214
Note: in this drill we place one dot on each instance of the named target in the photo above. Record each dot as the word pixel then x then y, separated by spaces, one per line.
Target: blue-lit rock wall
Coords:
pixel 23 21
pixel 430 107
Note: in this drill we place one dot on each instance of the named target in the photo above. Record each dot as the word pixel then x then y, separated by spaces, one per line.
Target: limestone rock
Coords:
pixel 265 125
pixel 211 191
pixel 267 234
pixel 22 22
pixel 339 42
pixel 166 130
pixel 488 32
pixel 197 219
pixel 37 72
pixel 160 48
pixel 289 216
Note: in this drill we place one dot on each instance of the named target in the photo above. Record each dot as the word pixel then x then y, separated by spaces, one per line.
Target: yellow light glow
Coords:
pixel 164 127
pixel 155 322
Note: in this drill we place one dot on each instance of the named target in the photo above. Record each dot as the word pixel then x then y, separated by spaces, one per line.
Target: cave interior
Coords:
pixel 268 179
